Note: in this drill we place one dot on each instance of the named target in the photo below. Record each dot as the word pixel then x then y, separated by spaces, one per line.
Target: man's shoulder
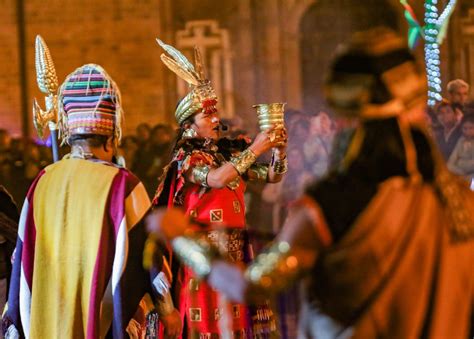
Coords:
pixel 130 178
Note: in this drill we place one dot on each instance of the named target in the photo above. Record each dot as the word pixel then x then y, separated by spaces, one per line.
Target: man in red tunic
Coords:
pixel 207 177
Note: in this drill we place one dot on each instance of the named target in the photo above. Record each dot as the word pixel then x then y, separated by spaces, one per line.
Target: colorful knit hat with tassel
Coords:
pixel 90 103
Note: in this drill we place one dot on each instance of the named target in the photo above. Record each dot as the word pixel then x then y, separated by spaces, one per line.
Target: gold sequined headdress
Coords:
pixel 202 96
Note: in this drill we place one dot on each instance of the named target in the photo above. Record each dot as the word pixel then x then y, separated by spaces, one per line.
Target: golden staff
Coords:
pixel 48 84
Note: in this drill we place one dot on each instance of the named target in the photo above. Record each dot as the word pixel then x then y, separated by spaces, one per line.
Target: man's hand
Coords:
pixel 167 223
pixel 265 140
pixel 172 324
pixel 229 280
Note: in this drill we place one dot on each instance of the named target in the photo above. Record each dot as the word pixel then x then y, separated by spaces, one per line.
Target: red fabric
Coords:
pixel 222 209
pixel 216 207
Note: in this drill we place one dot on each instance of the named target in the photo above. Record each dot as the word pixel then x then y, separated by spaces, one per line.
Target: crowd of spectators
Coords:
pixel 452 122
pixel 21 159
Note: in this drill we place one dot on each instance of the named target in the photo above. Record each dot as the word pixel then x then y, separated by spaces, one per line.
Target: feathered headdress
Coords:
pixel 202 96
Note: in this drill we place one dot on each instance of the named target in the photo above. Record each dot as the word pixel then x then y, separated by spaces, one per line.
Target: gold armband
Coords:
pixel 280 166
pixel 200 175
pixel 260 171
pixel 273 269
pixel 196 255
pixel 243 162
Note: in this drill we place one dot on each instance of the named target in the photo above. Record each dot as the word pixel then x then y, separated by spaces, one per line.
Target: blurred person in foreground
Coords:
pixel 78 267
pixel 317 148
pixel 208 177
pixel 385 245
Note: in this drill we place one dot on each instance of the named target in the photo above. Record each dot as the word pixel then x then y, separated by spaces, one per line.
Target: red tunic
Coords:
pixel 224 211
pixel 220 214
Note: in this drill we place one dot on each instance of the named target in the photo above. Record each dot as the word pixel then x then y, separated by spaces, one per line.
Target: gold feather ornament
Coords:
pixel 202 95
pixel 48 84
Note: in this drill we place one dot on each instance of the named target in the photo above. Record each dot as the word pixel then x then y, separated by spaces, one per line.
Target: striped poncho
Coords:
pixel 77 269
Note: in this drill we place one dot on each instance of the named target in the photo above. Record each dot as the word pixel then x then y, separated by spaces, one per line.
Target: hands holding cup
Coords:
pixel 273 137
pixel 272 123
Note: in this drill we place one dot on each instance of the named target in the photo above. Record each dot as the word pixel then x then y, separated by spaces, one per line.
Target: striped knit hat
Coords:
pixel 90 103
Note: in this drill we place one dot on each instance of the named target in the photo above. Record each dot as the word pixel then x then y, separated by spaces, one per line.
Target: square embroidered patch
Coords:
pixel 195 314
pixel 216 215
pixel 236 204
pixel 193 285
pixel 236 311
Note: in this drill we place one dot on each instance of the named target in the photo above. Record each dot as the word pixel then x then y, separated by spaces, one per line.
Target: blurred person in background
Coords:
pixel 461 160
pixel 142 133
pixel 5 140
pixel 32 160
pixel 449 134
pixel 5 157
pixel 153 156
pixel 458 96
pixel 128 150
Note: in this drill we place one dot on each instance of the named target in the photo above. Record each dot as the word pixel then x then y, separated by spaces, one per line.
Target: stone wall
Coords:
pixel 10 105
pixel 119 35
pixel 276 49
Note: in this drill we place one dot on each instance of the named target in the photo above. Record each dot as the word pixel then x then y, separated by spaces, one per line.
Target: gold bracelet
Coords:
pixel 200 175
pixel 260 171
pixel 274 268
pixel 243 162
pixel 197 255
pixel 280 166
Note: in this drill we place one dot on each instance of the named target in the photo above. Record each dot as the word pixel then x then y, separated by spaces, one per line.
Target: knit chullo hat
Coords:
pixel 375 76
pixel 90 103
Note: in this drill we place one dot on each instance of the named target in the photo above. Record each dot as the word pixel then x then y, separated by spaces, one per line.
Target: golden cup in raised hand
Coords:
pixel 270 114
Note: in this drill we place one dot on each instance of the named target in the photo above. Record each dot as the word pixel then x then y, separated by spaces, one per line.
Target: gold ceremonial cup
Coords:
pixel 270 114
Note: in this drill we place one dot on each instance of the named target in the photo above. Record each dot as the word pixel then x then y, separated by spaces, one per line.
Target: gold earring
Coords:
pixel 189 133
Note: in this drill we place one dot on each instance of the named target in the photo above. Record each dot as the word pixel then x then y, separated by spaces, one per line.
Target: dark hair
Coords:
pixel 441 104
pixel 91 140
pixel 467 118
pixel 383 153
pixel 144 125
pixel 128 138
pixel 161 127
pixel 180 131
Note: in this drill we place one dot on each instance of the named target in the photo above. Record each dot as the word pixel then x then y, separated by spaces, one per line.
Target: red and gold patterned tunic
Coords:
pixel 219 214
